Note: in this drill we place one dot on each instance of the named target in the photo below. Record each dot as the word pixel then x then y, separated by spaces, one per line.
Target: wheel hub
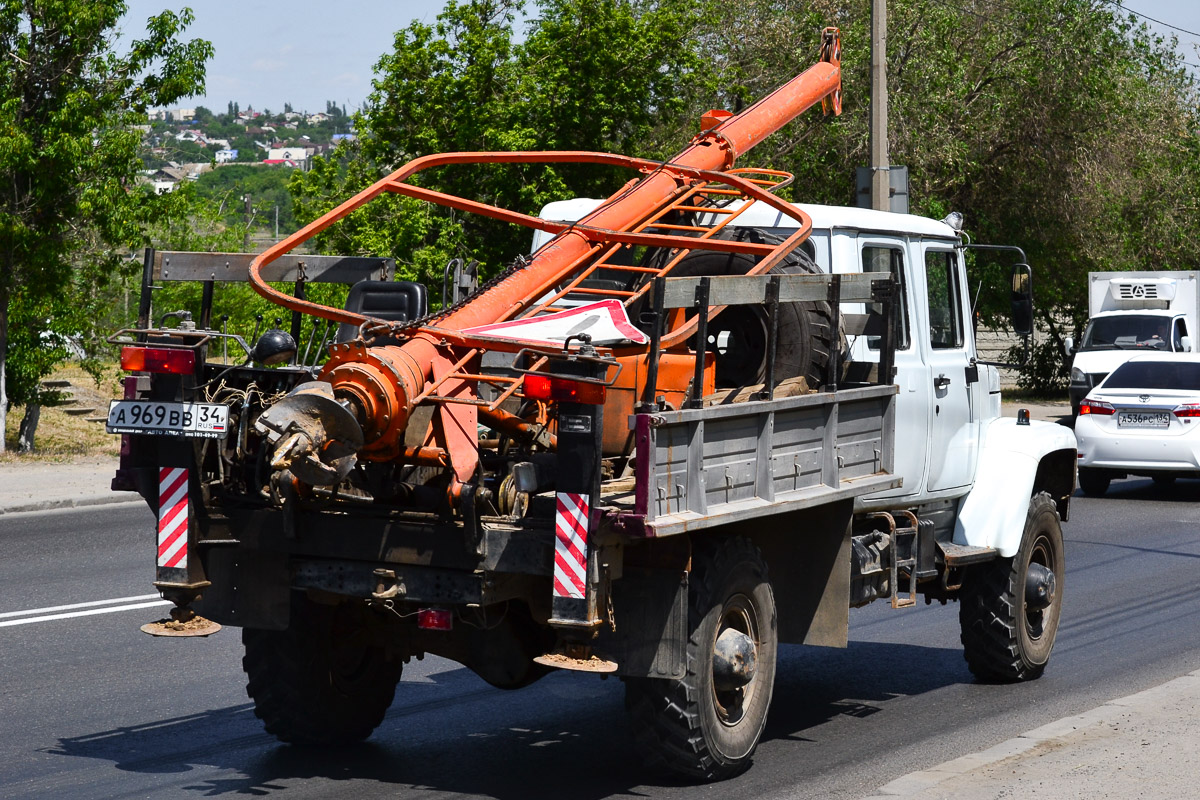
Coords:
pixel 1040 587
pixel 734 661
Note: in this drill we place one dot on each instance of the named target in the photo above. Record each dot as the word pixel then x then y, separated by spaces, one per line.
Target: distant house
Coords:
pixel 344 137
pixel 188 136
pixel 221 143
pixel 318 118
pixel 165 179
pixel 225 156
pixel 183 114
pixel 287 157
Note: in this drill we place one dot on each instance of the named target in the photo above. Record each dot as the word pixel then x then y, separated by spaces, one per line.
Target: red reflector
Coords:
pixel 1188 410
pixel 564 390
pixel 158 359
pixel 1096 407
pixel 435 619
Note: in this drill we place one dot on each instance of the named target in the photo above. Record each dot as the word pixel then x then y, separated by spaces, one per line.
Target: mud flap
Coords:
pixel 250 589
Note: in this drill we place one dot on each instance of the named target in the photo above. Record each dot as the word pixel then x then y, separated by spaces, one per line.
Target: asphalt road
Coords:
pixel 92 708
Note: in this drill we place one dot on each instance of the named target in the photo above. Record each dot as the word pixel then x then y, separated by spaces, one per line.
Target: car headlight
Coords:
pixel 1078 375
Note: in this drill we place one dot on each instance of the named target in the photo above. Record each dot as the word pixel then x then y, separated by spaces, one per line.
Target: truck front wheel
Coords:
pixel 1010 607
pixel 321 681
pixel 707 724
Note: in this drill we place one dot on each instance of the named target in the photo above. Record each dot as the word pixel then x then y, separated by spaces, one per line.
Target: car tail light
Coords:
pixel 1096 407
pixel 435 619
pixel 1187 410
pixel 158 359
pixel 564 390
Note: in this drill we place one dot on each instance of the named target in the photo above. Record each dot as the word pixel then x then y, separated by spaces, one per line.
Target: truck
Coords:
pixel 696 423
pixel 1131 313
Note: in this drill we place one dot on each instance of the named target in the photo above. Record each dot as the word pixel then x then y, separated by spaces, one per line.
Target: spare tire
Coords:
pixel 738 335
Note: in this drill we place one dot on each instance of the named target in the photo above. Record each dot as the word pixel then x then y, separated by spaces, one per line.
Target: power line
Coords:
pixel 1152 19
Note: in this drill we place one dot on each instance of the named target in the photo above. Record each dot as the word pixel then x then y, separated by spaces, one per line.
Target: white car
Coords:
pixel 1143 419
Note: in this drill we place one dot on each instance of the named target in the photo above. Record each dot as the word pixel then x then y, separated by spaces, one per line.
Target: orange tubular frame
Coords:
pixel 441 352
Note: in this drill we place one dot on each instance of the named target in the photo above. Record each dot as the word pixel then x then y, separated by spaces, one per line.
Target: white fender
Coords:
pixel 993 513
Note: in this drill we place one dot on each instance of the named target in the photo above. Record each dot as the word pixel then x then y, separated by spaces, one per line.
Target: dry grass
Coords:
pixel 62 437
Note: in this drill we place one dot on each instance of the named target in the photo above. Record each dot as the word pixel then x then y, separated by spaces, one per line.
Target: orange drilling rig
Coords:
pixel 585 464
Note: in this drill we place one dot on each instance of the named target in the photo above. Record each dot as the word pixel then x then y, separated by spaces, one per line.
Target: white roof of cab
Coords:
pixel 761 215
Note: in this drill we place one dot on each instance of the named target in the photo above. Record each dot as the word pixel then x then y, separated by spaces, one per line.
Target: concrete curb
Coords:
pixel 1058 732
pixel 60 503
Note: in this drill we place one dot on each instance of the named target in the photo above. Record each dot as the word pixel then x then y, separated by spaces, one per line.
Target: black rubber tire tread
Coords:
pixel 674 723
pixel 996 643
pixel 805 329
pixel 301 692
pixel 1093 482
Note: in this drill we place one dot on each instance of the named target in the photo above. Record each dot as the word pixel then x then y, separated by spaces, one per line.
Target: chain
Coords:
pixel 518 263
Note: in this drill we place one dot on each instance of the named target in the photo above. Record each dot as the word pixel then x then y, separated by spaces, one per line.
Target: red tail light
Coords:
pixel 564 390
pixel 1096 407
pixel 158 359
pixel 1187 410
pixel 435 619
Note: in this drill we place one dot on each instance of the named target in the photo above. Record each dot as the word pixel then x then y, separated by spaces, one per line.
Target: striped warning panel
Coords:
pixel 570 545
pixel 172 517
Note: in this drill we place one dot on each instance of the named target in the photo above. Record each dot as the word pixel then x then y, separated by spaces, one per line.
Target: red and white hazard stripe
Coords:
pixel 172 516
pixel 570 545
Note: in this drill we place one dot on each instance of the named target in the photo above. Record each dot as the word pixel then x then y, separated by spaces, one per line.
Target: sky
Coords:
pixel 302 52
pixel 306 52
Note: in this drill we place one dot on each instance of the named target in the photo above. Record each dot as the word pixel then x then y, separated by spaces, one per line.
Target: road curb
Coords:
pixel 1057 732
pixel 60 503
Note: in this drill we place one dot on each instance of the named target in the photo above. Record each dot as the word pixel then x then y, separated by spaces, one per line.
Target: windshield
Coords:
pixel 1155 375
pixel 1128 331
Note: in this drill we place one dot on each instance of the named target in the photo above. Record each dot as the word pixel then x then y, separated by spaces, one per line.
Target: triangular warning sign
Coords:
pixel 606 322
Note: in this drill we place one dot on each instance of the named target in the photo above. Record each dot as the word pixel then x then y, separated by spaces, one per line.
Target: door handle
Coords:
pixel 941 382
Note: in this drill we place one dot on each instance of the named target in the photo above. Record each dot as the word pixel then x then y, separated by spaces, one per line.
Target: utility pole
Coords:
pixel 249 219
pixel 881 182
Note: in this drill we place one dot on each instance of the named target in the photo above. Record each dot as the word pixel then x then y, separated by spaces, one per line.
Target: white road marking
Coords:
pixel 46 615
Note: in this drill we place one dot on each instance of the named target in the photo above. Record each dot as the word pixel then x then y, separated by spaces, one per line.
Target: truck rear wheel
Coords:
pixel 321 681
pixel 707 724
pixel 1010 607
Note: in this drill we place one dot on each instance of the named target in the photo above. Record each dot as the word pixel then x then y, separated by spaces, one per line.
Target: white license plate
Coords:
pixel 1143 419
pixel 193 420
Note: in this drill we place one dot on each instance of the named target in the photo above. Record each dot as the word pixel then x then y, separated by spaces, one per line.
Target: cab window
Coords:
pixel 888 259
pixel 945 301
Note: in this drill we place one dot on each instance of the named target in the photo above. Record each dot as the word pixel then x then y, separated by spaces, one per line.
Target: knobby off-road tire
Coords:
pixel 320 681
pixel 1094 482
pixel 688 726
pixel 1005 637
pixel 805 330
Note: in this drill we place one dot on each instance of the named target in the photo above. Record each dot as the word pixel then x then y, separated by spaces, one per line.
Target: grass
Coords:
pixel 62 437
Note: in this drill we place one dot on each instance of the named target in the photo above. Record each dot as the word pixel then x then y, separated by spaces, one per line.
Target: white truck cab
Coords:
pixel 962 463
pixel 1131 313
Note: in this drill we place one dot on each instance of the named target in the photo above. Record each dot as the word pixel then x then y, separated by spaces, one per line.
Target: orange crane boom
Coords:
pixel 438 362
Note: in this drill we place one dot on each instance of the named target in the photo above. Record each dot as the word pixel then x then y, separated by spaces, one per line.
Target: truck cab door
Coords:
pixel 947 341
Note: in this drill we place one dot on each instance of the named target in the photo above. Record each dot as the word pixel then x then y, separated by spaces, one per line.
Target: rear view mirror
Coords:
pixel 1185 344
pixel 1022 299
pixel 1069 346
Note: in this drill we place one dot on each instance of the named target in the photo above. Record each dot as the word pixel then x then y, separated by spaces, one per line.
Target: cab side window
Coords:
pixel 945 303
pixel 1180 332
pixel 888 259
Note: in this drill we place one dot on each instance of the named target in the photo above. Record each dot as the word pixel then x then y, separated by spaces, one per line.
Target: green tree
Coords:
pixel 590 75
pixel 68 149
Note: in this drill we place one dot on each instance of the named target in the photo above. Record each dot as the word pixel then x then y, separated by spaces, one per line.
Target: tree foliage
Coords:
pixel 68 149
pixel 1055 125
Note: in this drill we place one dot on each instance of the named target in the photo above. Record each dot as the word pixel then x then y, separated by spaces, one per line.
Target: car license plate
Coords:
pixel 192 420
pixel 1143 419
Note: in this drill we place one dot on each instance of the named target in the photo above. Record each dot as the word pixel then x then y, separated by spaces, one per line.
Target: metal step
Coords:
pixel 962 555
